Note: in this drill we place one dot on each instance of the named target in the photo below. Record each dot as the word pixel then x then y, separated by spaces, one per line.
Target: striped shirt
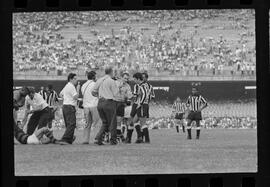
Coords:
pixel 151 94
pixel 52 98
pixel 144 93
pixel 179 107
pixel 194 102
pixel 135 93
pixel 43 93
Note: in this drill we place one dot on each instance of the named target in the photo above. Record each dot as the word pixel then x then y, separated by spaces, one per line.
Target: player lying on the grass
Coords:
pixel 195 104
pixel 22 137
pixel 40 136
pixel 179 109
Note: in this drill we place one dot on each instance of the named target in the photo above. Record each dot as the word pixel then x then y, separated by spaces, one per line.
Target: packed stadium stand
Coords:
pixel 179 44
pixel 163 43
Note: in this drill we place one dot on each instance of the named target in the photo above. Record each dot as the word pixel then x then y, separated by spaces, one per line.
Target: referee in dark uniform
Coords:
pixel 195 103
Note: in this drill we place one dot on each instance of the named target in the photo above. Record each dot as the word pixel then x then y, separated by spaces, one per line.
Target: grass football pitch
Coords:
pixel 218 150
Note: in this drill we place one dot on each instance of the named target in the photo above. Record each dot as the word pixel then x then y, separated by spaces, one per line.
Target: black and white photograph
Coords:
pixel 134 92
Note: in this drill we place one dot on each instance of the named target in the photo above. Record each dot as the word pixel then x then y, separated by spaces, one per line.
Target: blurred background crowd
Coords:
pixel 216 115
pixel 165 43
pixel 170 42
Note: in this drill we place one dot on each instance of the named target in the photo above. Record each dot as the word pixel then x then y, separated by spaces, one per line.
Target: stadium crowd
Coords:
pixel 40 46
pixel 166 122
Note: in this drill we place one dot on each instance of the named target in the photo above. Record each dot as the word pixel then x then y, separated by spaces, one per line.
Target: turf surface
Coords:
pixel 218 150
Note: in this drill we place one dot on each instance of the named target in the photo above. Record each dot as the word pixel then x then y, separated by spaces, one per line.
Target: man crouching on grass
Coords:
pixel 38 136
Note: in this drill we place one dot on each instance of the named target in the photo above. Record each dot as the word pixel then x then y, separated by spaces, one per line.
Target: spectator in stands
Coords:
pixel 50 51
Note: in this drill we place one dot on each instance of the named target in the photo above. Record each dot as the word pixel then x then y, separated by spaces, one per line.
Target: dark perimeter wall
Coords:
pixel 168 90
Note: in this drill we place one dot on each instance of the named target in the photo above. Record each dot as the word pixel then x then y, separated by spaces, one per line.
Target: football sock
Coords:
pixel 198 133
pixel 139 132
pixel 123 129
pixel 189 133
pixel 146 135
pixel 177 128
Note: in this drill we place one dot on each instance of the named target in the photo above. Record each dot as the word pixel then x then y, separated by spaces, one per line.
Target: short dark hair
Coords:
pixel 71 76
pixel 91 75
pixel 196 88
pixel 108 70
pixel 31 90
pixel 138 76
pixel 145 74
pixel 50 86
pixel 25 89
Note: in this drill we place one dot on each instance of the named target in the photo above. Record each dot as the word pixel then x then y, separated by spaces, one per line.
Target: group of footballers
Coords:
pixel 136 112
pixel 184 113
pixel 190 111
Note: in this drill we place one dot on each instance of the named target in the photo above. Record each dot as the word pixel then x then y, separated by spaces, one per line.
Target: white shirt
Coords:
pixel 88 99
pixel 68 92
pixel 36 102
pixel 106 87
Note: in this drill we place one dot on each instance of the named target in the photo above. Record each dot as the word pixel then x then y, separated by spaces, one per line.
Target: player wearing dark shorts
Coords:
pixel 133 121
pixel 151 93
pixel 179 109
pixel 196 103
pixel 148 93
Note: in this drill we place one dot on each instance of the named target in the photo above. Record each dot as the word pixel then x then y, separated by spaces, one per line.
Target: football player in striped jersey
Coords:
pixel 147 95
pixel 133 120
pixel 179 109
pixel 196 103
